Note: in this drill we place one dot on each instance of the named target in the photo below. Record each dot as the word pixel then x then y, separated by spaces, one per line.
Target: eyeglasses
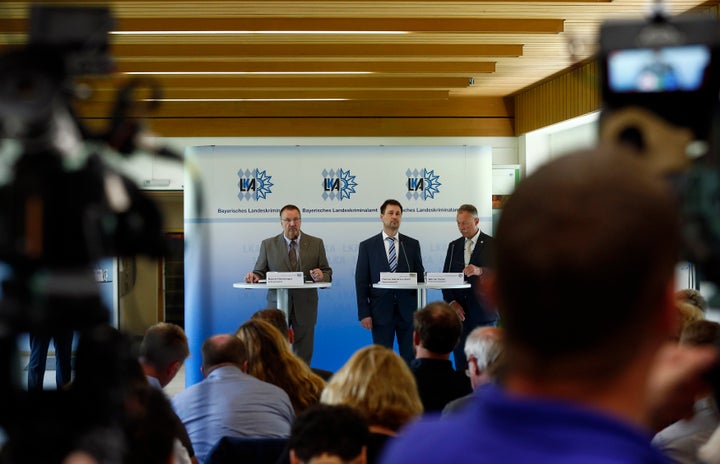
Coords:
pixel 291 221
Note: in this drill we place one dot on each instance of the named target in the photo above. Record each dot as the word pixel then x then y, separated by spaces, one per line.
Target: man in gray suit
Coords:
pixel 295 251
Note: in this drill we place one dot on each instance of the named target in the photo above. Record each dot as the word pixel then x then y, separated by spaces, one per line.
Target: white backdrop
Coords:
pixel 339 191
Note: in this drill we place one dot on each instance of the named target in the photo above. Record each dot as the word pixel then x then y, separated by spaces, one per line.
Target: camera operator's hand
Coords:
pixel 676 382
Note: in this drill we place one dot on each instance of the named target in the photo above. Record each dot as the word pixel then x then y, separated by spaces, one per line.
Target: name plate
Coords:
pixel 444 278
pixel 278 279
pixel 398 278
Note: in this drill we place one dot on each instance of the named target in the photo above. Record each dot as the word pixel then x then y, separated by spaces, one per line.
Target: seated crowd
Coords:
pixel 536 389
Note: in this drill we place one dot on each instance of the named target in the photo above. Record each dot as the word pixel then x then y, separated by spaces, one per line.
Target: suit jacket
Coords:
pixel 372 260
pixel 274 257
pixel 476 310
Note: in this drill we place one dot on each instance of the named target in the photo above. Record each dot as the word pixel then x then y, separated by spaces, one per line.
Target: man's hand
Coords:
pixel 366 322
pixel 251 278
pixel 316 275
pixel 472 270
pixel 458 309
pixel 676 382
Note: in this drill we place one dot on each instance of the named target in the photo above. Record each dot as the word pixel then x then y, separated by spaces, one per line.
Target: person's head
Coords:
pixel 701 332
pixel 378 383
pixel 278 319
pixel 391 216
pixel 163 350
pixel 223 350
pixel 467 220
pixel 270 359
pixel 290 221
pixel 484 352
pixel 149 426
pixel 692 296
pixel 437 328
pixel 326 434
pixel 584 258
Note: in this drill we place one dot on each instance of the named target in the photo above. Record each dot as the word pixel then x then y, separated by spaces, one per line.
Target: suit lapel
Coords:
pixel 382 256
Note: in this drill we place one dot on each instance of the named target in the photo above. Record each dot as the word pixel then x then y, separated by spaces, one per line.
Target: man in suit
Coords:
pixel 387 312
pixel 469 254
pixel 295 251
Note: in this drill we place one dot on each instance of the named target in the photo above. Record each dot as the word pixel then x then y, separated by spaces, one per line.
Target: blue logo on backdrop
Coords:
pixel 338 184
pixel 254 184
pixel 422 184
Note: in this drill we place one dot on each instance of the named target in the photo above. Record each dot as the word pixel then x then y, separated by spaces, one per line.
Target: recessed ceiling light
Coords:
pixel 239 73
pixel 254 32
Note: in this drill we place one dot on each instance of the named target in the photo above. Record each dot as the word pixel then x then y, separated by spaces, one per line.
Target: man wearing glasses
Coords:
pixel 295 251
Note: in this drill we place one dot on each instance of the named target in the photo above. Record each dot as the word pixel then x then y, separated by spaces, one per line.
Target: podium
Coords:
pixel 422 289
pixel 282 290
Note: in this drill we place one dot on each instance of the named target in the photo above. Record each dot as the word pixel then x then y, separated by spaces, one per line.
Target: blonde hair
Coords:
pixel 378 383
pixel 688 313
pixel 271 360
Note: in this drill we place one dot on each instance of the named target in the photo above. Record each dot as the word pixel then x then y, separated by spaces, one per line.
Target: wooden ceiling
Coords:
pixel 323 67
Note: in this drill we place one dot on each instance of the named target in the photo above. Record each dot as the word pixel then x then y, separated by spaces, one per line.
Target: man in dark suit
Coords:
pixel 470 254
pixel 295 251
pixel 387 312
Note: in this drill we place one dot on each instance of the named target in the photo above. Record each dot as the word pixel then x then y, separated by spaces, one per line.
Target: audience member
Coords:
pixel 229 402
pixel 329 435
pixel 271 360
pixel 588 240
pixel 437 330
pixel 379 384
pixel 681 440
pixel 484 353
pixel 278 319
pixel 163 350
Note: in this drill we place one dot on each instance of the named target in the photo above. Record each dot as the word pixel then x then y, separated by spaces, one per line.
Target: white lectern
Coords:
pixel 422 289
pixel 282 290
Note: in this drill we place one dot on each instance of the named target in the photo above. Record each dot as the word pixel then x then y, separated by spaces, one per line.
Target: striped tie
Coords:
pixel 392 256
pixel 292 255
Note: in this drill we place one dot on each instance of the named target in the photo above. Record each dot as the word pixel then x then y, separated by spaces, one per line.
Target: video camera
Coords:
pixel 62 209
pixel 660 83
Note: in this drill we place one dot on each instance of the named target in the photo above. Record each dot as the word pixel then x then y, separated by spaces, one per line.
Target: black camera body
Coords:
pixel 660 80
pixel 61 211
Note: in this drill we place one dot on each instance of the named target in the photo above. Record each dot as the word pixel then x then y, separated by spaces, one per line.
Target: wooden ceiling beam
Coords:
pixel 468 68
pixel 325 50
pixel 290 82
pixel 454 107
pixel 254 24
pixel 109 94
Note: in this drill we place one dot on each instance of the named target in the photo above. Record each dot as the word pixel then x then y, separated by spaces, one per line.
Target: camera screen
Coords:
pixel 670 69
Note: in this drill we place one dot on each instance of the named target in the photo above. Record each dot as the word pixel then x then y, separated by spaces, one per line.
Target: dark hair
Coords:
pixel 323 429
pixel 468 209
pixel 164 344
pixel 390 202
pixel 589 241
pixel 225 348
pixel 438 326
pixel 276 317
pixel 286 207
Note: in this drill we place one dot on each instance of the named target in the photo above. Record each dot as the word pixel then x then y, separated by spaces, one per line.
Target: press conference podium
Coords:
pixel 422 289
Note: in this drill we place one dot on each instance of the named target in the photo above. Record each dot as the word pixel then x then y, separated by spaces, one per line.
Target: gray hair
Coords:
pixel 484 344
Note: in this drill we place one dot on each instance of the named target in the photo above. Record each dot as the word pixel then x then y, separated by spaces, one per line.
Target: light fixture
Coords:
pixel 257 32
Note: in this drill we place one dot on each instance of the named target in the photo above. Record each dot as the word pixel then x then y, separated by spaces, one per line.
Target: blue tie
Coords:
pixel 392 256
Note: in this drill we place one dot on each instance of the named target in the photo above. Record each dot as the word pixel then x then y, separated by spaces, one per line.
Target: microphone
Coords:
pixel 452 255
pixel 405 255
